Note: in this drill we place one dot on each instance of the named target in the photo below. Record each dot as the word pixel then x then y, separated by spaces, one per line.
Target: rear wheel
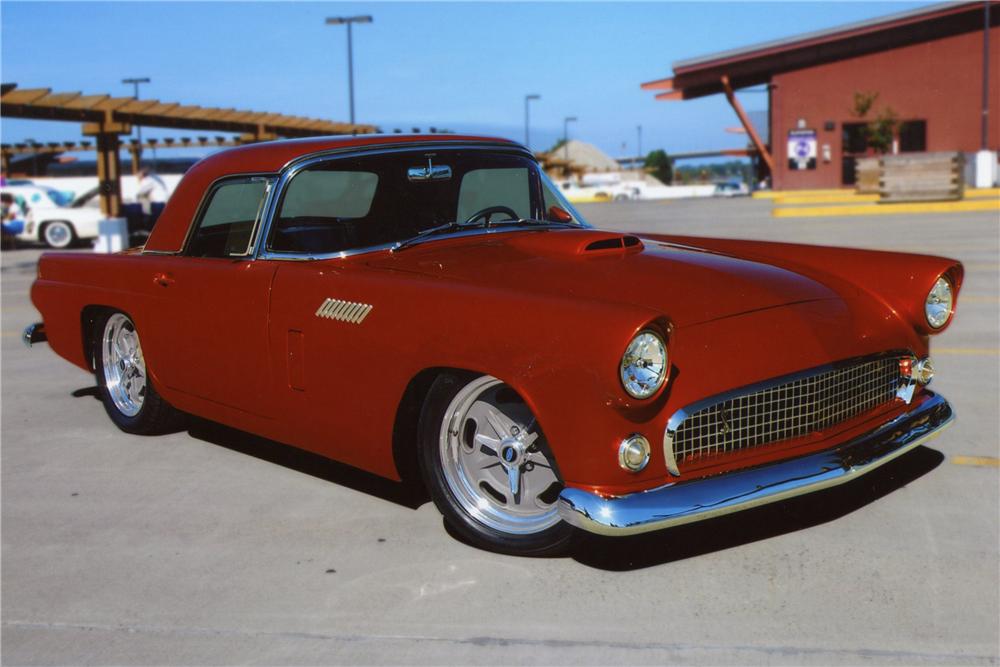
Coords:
pixel 120 369
pixel 58 234
pixel 489 469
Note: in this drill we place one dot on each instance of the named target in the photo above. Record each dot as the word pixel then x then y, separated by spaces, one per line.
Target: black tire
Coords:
pixel 62 233
pixel 552 541
pixel 155 416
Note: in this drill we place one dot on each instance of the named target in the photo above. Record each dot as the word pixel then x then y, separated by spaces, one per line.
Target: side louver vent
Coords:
pixel 344 311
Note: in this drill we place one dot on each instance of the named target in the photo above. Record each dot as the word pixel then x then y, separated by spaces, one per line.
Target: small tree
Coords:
pixel 658 164
pixel 882 129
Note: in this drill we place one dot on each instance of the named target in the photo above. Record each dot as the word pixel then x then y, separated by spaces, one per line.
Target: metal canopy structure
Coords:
pixel 106 118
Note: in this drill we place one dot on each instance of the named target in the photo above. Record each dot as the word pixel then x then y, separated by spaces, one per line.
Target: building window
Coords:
pixel 913 136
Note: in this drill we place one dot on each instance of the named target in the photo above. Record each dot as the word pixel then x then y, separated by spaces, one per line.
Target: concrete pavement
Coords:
pixel 215 547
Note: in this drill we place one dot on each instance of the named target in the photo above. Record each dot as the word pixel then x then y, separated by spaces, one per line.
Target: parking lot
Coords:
pixel 211 546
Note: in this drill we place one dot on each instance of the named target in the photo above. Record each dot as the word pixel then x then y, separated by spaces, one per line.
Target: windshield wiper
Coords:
pixel 451 226
pixel 440 229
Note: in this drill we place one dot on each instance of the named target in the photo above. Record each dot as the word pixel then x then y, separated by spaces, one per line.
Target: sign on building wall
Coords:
pixel 802 149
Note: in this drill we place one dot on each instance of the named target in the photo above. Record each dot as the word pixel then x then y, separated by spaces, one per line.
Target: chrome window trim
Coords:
pixel 680 415
pixel 199 212
pixel 293 167
pixel 479 231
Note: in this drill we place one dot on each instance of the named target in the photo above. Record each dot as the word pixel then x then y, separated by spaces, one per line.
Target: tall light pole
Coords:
pixel 349 21
pixel 527 119
pixel 566 121
pixel 638 130
pixel 135 81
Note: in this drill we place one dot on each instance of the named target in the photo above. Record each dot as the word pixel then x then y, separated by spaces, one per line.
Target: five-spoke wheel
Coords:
pixel 120 369
pixel 489 467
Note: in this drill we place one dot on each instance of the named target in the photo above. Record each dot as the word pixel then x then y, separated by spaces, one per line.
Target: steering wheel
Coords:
pixel 490 211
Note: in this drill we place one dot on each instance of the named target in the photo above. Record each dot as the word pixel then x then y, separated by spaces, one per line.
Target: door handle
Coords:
pixel 163 279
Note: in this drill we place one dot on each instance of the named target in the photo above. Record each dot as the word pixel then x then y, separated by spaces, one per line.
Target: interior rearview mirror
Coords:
pixel 437 172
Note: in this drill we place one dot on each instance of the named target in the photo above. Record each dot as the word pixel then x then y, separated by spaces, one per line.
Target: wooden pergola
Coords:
pixel 107 118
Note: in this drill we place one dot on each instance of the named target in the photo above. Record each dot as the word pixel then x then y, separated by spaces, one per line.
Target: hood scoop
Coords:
pixel 615 243
pixel 577 243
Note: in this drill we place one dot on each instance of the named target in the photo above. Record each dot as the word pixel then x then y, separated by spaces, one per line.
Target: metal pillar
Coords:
pixel 747 125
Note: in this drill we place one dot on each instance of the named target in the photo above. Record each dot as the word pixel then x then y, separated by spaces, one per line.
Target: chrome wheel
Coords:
pixel 124 367
pixel 495 459
pixel 58 234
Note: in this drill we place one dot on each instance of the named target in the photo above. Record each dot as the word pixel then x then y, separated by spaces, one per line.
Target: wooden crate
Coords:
pixel 917 177
pixel 868 173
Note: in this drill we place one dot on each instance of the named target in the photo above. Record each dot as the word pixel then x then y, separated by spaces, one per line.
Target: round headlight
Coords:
pixel 939 304
pixel 644 365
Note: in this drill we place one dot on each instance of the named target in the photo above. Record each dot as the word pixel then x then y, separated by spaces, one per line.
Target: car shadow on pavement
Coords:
pixel 401 493
pixel 406 494
pixel 733 530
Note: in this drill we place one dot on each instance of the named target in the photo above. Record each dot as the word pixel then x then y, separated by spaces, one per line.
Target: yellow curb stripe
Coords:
pixel 771 194
pixel 852 198
pixel 828 199
pixel 886 209
pixel 990 461
pixel 966 351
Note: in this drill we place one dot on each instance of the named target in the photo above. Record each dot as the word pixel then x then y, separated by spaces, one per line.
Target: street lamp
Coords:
pixel 349 21
pixel 566 121
pixel 135 81
pixel 527 135
pixel 638 130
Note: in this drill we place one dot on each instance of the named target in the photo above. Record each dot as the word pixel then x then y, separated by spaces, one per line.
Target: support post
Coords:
pixel 109 173
pixel 747 125
pixel 136 155
pixel 107 138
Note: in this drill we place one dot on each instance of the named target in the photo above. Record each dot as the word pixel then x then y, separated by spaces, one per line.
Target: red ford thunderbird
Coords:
pixel 435 304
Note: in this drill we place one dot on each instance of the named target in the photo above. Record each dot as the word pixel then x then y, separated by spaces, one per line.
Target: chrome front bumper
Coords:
pixel 685 502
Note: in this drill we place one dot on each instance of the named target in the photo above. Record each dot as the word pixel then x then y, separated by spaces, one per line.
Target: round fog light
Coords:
pixel 923 371
pixel 633 453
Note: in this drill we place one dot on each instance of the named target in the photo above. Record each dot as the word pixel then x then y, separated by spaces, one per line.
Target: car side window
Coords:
pixel 229 218
pixel 323 210
pixel 483 188
pixel 551 197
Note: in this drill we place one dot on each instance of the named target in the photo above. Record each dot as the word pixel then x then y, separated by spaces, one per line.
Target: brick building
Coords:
pixel 934 68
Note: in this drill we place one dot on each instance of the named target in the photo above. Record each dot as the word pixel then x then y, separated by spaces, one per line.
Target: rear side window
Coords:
pixel 229 218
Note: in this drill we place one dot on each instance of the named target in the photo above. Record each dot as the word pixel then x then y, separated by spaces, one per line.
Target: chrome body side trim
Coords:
pixel 683 413
pixel 34 333
pixel 684 502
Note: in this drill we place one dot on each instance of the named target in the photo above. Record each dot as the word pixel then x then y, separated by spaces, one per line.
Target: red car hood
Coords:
pixel 687 284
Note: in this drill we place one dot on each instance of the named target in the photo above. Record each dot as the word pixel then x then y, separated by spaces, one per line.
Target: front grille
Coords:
pixel 787 410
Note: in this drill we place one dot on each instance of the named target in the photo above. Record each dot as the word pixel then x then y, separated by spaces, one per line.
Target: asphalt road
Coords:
pixel 214 547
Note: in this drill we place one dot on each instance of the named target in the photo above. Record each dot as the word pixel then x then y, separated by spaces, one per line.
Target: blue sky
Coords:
pixel 463 66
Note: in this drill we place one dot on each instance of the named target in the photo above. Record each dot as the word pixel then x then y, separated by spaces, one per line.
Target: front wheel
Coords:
pixel 125 388
pixel 58 234
pixel 489 468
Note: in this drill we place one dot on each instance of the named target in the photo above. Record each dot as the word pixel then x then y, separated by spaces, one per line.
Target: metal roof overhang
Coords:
pixel 756 64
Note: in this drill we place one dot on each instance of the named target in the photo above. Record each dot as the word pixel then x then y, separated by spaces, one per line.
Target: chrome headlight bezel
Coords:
pixel 939 304
pixel 643 380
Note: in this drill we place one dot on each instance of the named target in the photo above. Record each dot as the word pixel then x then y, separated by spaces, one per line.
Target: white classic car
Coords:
pixel 51 219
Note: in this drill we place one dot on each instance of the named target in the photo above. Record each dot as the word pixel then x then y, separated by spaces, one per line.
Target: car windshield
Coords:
pixel 59 198
pixel 376 200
